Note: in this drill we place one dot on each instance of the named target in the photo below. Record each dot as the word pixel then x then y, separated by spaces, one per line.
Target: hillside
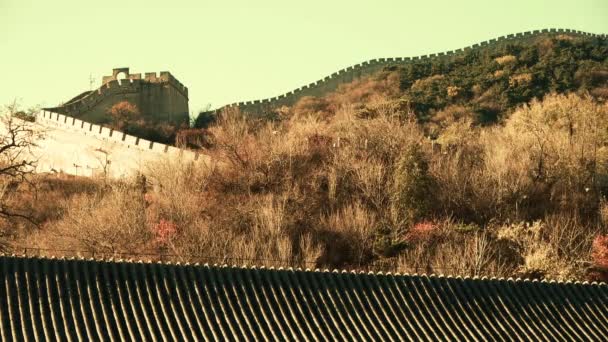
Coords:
pixel 492 77
pixel 489 161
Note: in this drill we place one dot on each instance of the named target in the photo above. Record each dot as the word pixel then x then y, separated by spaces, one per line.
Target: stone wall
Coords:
pixel 77 147
pixel 370 67
pixel 160 98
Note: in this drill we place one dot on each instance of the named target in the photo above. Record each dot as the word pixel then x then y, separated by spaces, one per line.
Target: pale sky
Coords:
pixel 228 51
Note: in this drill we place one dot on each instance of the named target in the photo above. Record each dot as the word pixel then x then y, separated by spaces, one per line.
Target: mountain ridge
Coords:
pixel 365 68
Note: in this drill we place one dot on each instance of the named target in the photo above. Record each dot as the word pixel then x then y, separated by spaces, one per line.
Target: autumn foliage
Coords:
pixel 164 230
pixel 124 114
pixel 493 164
pixel 600 251
pixel 126 117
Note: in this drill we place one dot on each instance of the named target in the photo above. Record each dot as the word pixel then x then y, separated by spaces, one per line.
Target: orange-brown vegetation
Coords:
pixel 124 114
pixel 600 258
pixel 335 188
pixel 195 138
pixel 494 162
pixel 126 117
pixel 369 90
pixel 600 250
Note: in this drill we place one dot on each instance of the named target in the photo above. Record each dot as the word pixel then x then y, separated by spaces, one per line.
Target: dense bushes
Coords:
pixel 488 82
pixel 404 170
pixel 204 119
pixel 495 80
pixel 413 187
pixel 525 198
pixel 126 117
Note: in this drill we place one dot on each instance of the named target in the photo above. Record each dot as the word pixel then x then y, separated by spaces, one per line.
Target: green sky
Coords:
pixel 228 51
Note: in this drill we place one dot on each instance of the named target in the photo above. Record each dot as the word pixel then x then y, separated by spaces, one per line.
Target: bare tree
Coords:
pixel 104 162
pixel 18 135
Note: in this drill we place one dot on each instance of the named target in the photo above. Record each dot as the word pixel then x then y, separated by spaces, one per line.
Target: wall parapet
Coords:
pixel 47 118
pixel 94 97
pixel 331 82
pixel 150 77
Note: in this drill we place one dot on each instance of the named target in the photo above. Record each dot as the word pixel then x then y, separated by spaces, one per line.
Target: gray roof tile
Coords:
pixel 59 299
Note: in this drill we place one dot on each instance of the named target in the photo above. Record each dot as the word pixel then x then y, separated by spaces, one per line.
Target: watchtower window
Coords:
pixel 121 75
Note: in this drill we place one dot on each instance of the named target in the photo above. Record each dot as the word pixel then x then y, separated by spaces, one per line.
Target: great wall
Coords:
pixel 76 147
pixel 79 147
pixel 158 98
pixel 366 68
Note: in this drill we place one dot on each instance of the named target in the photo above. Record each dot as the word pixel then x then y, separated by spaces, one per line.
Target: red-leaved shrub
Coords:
pixel 424 231
pixel 600 251
pixel 164 231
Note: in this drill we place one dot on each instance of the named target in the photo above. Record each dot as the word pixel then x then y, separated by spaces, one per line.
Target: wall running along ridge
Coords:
pixel 331 82
pixel 80 148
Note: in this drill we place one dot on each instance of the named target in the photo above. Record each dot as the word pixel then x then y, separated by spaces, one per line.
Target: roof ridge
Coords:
pixel 299 269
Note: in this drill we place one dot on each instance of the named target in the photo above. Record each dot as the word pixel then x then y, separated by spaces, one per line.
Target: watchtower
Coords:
pixel 159 98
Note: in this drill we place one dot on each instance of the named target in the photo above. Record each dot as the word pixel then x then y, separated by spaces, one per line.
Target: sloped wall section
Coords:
pixel 366 68
pixel 82 148
pixel 78 146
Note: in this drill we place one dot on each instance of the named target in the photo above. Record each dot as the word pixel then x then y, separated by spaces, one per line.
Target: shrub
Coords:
pixel 562 140
pixel 453 91
pixel 520 80
pixel 599 252
pixel 422 232
pixel 124 114
pixel 429 93
pixel 108 221
pixel 354 224
pixel 205 119
pixel 599 255
pixel 384 85
pixel 310 105
pixel 196 138
pixel 466 227
pixel 164 231
pixel 413 187
pixel 507 59
pixel 350 180
pixel 26 116
pixel 387 243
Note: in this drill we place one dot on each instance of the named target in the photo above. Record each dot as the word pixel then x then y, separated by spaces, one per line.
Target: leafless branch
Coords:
pixel 18 136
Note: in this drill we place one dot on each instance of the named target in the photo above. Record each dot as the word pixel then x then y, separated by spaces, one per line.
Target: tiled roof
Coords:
pixel 58 299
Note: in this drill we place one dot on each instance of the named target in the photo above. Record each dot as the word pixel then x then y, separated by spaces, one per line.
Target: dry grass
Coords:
pixel 43 199
pixel 520 79
pixel 314 189
pixel 94 223
pixel 367 90
pixel 507 59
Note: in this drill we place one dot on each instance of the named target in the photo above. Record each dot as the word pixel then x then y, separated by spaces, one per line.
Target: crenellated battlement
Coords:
pixel 51 119
pixel 112 87
pixel 150 77
pixel 159 98
pixel 82 148
pixel 331 82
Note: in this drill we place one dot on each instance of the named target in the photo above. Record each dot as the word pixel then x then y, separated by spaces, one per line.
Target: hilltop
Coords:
pixel 491 78
pixel 492 160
